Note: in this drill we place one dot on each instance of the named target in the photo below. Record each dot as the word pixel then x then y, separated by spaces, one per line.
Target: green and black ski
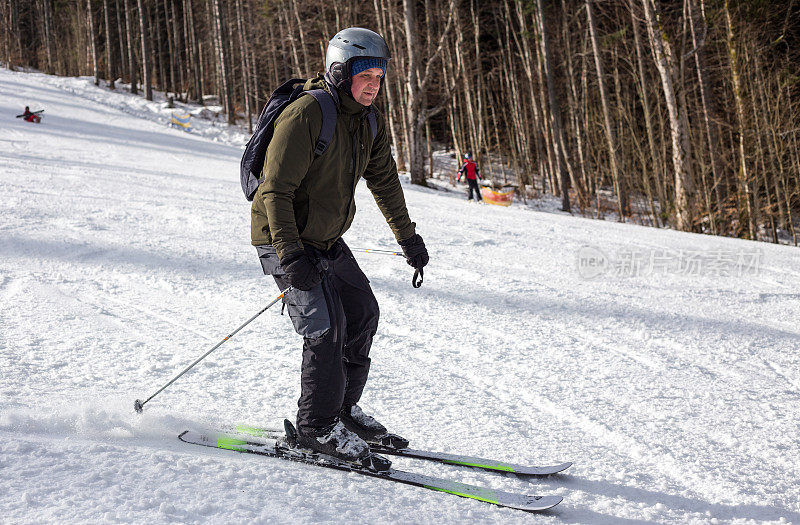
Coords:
pixel 277 448
pixel 438 457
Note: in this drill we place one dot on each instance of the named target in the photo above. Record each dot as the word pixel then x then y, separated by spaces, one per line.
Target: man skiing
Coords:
pixel 473 173
pixel 31 116
pixel 300 211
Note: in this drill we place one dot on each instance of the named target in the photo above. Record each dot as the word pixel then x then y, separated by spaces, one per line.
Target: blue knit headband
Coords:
pixel 362 64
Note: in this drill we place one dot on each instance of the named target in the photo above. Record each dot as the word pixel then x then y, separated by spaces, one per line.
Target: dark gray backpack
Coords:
pixel 256 149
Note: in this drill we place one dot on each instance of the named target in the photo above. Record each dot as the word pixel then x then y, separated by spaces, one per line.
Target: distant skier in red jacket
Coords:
pixel 31 116
pixel 473 174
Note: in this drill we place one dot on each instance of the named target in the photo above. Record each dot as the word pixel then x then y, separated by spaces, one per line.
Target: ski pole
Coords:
pixel 416 280
pixel 138 405
pixel 380 252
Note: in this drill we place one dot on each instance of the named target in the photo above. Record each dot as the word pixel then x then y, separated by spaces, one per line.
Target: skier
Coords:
pixel 473 174
pixel 31 116
pixel 301 209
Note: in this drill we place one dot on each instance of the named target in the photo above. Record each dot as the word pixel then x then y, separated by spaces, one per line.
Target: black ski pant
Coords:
pixel 338 319
pixel 473 186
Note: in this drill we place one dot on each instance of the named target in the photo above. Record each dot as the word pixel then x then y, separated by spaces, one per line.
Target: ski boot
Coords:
pixel 338 443
pixel 368 428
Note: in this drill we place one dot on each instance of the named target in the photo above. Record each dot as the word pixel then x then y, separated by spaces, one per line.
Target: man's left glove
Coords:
pixel 301 272
pixel 415 251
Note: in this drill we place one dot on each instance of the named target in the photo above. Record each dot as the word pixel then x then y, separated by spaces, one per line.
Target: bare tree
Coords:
pixel 131 48
pixel 222 60
pixel 416 85
pixel 700 109
pixel 611 140
pixel 681 146
pixel 644 97
pixel 109 54
pixel 148 87
pixel 245 63
pixel 93 39
pixel 709 119
pixel 744 179
pixel 47 22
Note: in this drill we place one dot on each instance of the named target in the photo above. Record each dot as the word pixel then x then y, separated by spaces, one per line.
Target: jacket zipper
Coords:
pixel 356 143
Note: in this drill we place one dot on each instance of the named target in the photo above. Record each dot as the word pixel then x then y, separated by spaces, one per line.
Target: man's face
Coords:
pixel 365 85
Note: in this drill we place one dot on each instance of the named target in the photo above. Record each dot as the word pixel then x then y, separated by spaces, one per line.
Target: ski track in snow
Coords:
pixel 124 255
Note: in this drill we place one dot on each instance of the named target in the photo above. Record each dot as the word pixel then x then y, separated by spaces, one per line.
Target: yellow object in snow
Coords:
pixel 181 121
pixel 498 198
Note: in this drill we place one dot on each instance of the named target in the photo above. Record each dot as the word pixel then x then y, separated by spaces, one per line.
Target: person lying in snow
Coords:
pixel 31 116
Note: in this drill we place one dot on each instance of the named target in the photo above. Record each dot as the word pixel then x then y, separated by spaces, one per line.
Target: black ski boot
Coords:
pixel 339 443
pixel 368 428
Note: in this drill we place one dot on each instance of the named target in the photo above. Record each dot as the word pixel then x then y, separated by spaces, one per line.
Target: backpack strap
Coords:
pixel 328 106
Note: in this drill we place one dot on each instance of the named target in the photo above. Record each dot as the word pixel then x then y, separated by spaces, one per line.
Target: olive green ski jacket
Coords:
pixel 308 200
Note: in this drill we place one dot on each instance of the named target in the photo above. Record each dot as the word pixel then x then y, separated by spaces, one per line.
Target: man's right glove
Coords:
pixel 415 251
pixel 301 272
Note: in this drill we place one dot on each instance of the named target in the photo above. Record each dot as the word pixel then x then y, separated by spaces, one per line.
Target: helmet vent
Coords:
pixel 359 47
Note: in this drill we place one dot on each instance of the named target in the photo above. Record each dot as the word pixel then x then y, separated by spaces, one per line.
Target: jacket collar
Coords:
pixel 347 104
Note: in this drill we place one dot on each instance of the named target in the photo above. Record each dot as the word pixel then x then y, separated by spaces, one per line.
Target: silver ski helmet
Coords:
pixel 348 44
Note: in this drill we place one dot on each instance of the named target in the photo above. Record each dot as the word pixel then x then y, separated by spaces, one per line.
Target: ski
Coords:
pixel 438 457
pixel 277 449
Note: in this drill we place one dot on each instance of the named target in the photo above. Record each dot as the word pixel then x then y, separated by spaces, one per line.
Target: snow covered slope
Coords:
pixel 664 364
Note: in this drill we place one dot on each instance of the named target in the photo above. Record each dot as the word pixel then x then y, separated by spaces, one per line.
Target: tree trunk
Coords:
pixel 402 152
pixel 528 60
pixel 555 109
pixel 611 139
pixel 243 41
pixel 743 176
pixel 131 49
pixel 93 39
pixel 380 14
pixel 172 55
pixel 416 155
pixel 573 107
pixel 479 89
pixel 417 82
pixel 222 61
pixel 146 80
pixel 109 54
pixel 665 63
pixel 307 70
pixel 648 119
pixel 194 51
pixel 47 21
pixel 288 27
pixel 156 34
pixel 5 28
pixel 121 41
pixel 709 119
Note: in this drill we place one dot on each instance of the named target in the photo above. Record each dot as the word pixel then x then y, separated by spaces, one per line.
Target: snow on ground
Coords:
pixel 664 364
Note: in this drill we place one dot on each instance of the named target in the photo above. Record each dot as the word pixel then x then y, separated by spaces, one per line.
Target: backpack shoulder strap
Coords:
pixel 328 106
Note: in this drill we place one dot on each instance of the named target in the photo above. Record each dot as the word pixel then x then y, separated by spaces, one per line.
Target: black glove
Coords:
pixel 301 272
pixel 415 251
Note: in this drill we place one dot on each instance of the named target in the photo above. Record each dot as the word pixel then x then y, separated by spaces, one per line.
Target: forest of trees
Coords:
pixel 681 113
